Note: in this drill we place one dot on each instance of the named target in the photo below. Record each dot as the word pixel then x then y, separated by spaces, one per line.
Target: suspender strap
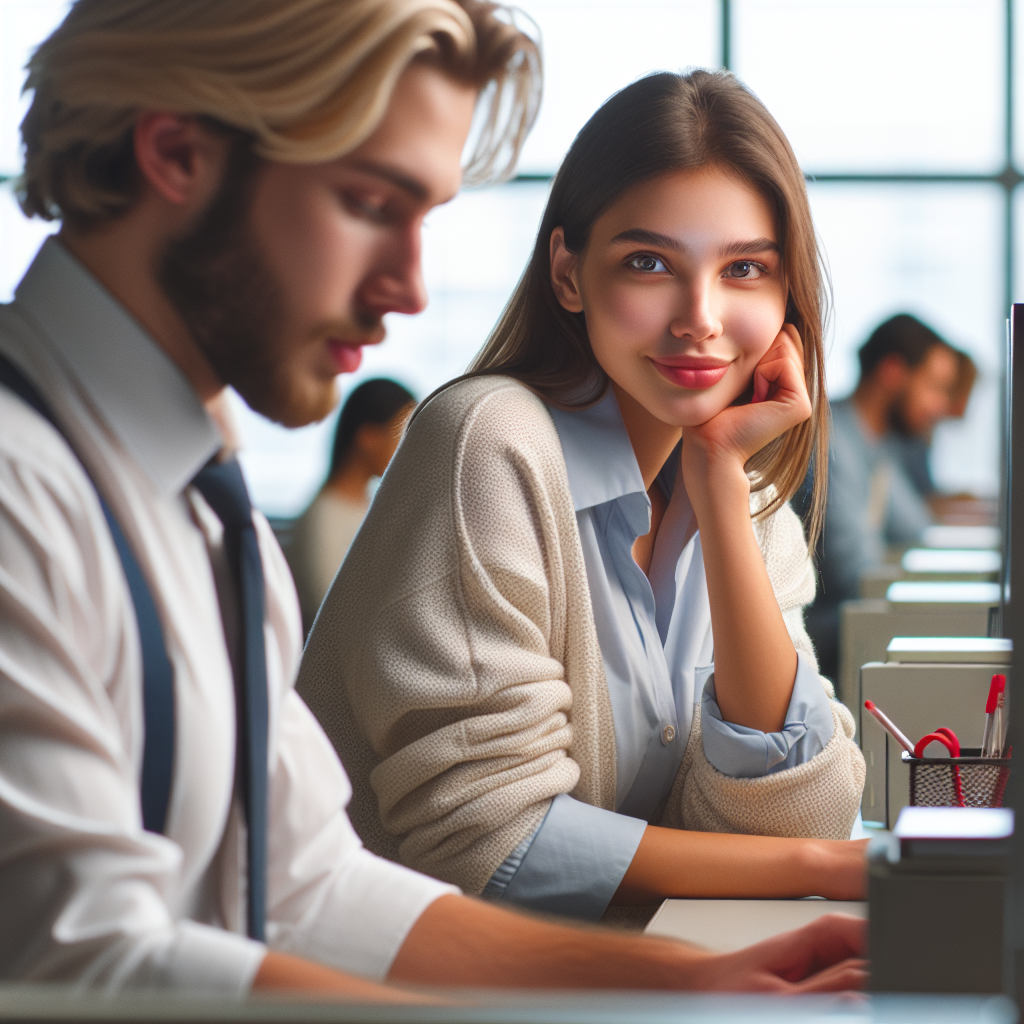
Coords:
pixel 157 673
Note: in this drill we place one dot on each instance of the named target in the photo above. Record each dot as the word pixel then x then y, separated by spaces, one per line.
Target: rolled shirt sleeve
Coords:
pixel 745 753
pixel 573 863
pixel 329 898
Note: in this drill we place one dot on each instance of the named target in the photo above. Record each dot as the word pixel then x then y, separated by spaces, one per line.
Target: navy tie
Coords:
pixel 223 486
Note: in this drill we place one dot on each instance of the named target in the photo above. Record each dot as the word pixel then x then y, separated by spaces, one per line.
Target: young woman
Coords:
pixel 566 654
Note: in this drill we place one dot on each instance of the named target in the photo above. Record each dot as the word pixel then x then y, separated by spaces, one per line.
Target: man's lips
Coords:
pixel 692 374
pixel 348 355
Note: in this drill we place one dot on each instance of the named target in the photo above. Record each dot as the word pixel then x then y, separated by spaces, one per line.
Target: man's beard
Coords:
pixel 232 304
pixel 898 421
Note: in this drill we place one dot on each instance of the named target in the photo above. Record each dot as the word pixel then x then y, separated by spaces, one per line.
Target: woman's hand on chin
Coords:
pixel 721 446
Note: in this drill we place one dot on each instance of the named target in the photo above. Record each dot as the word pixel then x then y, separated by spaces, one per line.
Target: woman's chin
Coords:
pixel 691 414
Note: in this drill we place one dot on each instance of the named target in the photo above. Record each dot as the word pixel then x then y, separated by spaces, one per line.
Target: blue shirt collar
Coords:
pixel 598 456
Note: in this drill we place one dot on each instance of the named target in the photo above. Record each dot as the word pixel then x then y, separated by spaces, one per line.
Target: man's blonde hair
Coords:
pixel 306 80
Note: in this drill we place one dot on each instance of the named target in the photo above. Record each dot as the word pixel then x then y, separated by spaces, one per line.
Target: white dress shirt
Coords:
pixel 88 896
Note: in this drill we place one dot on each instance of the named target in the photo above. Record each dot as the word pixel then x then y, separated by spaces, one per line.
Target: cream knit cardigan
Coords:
pixel 456 667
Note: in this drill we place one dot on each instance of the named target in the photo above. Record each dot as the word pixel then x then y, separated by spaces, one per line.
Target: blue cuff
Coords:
pixel 572 864
pixel 744 753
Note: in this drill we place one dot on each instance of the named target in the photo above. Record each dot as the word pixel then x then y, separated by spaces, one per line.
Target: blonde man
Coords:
pixel 241 189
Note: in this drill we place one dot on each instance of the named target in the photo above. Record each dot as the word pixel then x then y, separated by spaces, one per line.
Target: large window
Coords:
pixel 901 112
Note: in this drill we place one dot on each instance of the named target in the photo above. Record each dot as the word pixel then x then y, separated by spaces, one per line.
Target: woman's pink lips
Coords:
pixel 693 377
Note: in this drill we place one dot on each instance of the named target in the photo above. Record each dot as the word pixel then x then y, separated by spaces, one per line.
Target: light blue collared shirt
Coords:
pixel 658 652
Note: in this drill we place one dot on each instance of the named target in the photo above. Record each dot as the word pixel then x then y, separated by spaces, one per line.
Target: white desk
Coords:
pixel 727 925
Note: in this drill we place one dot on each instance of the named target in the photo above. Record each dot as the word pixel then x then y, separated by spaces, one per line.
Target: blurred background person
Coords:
pixel 914 451
pixel 908 378
pixel 369 429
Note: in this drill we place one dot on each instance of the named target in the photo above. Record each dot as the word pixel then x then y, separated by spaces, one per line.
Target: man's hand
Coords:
pixel 825 956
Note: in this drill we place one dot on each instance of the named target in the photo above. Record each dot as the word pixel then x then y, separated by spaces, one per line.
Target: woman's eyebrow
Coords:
pixel 643 236
pixel 755 245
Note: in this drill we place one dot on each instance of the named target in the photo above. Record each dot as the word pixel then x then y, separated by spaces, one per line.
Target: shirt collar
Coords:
pixel 141 394
pixel 598 456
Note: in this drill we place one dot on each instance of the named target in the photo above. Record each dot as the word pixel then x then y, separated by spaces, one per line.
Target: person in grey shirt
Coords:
pixel 907 377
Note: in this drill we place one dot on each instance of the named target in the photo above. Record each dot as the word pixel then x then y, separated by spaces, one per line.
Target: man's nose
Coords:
pixel 397 285
pixel 694 316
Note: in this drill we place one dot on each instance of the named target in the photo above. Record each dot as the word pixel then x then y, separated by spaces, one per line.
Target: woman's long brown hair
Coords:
pixel 671 122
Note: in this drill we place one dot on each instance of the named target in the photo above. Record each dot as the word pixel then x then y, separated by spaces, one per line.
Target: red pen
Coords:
pixel 992 741
pixel 888 726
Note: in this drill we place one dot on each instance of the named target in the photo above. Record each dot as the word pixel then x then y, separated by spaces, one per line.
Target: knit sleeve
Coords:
pixel 817 798
pixel 438 663
pixel 790 570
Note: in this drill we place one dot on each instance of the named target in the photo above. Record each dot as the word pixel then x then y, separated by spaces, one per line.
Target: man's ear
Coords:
pixel 181 161
pixel 565 274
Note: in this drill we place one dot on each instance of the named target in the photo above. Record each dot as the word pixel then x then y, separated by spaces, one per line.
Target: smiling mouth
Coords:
pixel 693 374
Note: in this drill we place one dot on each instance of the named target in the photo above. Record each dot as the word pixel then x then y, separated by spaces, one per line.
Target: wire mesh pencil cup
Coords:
pixel 966 781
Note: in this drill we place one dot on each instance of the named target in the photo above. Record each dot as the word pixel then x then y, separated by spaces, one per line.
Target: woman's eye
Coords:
pixel 744 270
pixel 647 264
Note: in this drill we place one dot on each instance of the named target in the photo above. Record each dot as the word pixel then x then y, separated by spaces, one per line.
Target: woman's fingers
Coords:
pixel 781 368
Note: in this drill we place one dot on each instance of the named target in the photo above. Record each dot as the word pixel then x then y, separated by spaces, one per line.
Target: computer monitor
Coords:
pixel 1012 626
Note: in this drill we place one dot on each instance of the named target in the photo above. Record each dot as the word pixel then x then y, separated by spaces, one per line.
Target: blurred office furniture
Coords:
pixel 936 888
pixel 935 565
pixel 912 609
pixel 921 684
pixel 945 536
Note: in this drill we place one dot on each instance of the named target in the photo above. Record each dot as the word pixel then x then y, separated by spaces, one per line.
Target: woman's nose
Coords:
pixel 695 317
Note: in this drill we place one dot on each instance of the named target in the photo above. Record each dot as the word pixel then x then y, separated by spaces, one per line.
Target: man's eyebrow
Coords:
pixel 397 177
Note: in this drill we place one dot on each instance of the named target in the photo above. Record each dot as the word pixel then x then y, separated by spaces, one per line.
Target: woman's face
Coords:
pixel 682 287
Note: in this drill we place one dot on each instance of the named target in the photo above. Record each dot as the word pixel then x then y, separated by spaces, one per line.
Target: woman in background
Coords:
pixel 367 435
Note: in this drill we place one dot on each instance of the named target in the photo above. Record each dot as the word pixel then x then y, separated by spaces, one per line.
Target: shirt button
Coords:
pixel 668 734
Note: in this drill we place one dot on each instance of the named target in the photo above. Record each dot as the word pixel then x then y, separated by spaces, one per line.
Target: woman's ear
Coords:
pixel 564 274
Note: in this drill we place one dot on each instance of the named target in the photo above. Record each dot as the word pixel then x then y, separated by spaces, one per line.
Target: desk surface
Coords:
pixel 51 1005
pixel 726 925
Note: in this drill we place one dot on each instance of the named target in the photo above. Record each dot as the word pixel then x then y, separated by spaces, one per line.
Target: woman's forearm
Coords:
pixel 673 863
pixel 755 661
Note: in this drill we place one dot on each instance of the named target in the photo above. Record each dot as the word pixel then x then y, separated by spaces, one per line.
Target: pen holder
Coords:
pixel 966 781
